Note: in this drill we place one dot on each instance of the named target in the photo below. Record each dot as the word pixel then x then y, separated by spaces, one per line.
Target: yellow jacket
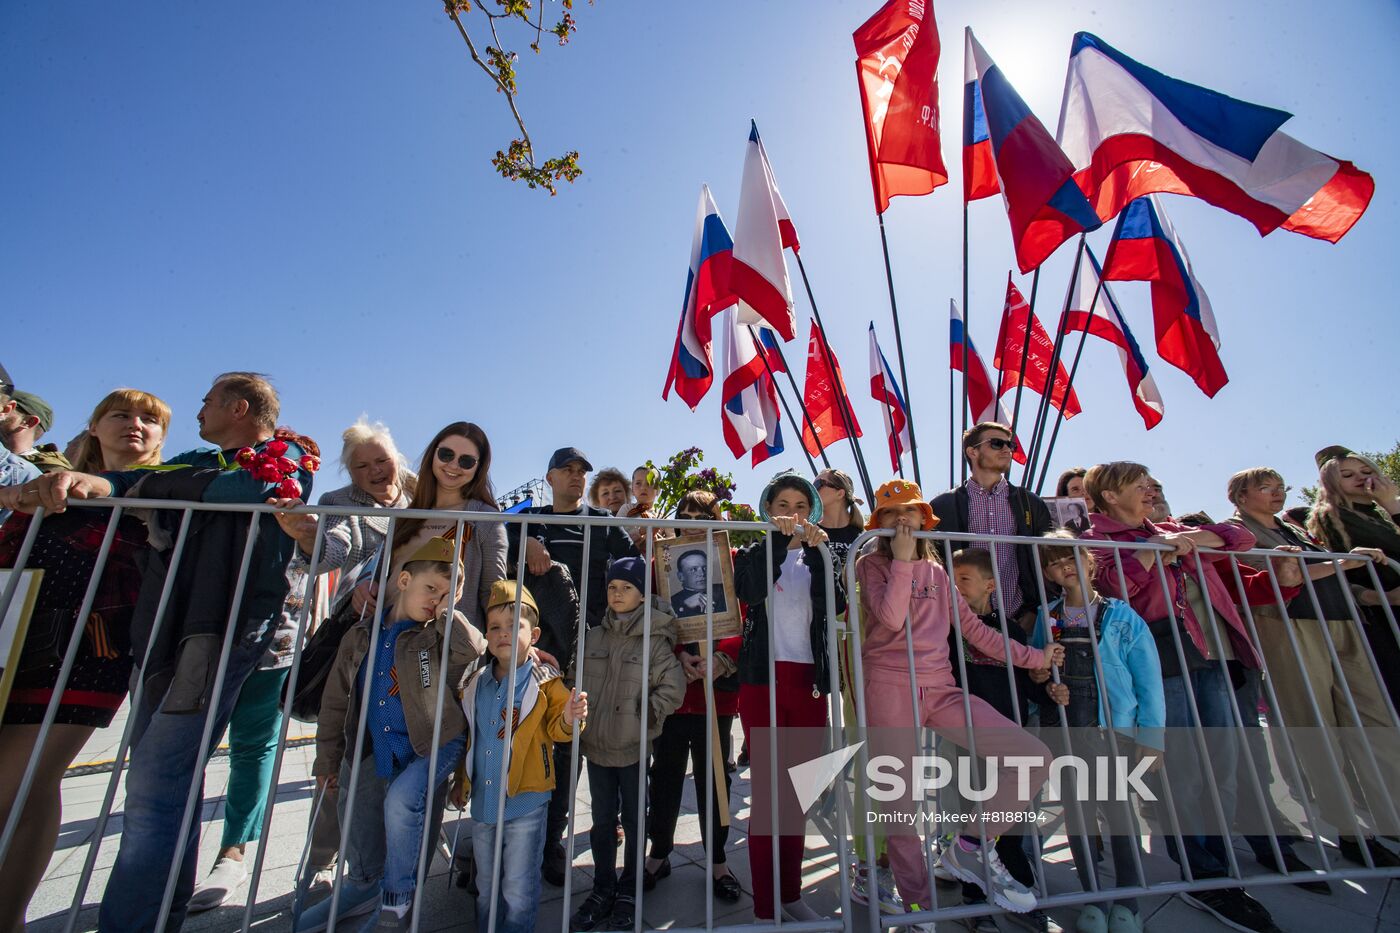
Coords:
pixel 532 742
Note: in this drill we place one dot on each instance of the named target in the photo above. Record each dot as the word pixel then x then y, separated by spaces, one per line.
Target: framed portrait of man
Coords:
pixel 694 584
pixel 1071 513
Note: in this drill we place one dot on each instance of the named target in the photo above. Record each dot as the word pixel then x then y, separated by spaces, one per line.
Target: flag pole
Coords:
pixel 952 429
pixel 1043 410
pixel 763 355
pixel 1025 352
pixel 801 402
pixel 899 349
pixel 1069 387
pixel 843 404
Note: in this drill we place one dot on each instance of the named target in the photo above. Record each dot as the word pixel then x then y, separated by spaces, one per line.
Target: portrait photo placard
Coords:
pixel 691 585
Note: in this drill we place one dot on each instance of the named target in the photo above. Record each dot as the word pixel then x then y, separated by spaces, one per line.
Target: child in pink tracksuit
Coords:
pixel 903 581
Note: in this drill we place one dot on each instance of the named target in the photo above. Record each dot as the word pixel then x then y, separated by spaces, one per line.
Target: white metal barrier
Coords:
pixel 835 815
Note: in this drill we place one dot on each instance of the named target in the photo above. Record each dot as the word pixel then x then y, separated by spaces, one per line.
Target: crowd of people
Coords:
pixel 437 675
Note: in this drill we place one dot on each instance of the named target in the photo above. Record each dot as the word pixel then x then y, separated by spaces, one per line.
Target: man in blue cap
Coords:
pixel 568 478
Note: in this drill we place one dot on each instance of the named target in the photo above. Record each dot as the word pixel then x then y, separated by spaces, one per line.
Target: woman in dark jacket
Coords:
pixel 126 431
pixel 796 641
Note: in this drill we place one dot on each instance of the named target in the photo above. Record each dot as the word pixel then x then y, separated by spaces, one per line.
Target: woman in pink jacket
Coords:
pixel 906 593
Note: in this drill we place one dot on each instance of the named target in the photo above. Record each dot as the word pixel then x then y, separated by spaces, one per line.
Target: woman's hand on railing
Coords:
pixel 1054 656
pixel 300 527
pixel 1287 572
pixel 53 490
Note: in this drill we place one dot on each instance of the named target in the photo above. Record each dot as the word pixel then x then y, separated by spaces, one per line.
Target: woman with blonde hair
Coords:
pixel 1310 690
pixel 125 432
pixel 1358 505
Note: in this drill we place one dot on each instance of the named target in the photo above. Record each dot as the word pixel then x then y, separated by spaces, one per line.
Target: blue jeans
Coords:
pixel 405 807
pixel 1188 774
pixel 522 849
pixel 165 760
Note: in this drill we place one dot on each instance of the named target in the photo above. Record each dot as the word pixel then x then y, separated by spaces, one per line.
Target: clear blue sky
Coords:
pixel 305 191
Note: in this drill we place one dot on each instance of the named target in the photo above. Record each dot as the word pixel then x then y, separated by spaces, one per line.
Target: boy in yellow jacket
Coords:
pixel 542 712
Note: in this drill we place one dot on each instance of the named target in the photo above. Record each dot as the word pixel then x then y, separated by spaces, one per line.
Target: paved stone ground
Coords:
pixel 677 901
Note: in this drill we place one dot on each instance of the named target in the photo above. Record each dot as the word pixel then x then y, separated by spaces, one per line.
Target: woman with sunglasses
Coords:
pixel 454 475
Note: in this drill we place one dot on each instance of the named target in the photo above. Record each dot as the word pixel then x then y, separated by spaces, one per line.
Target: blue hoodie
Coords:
pixel 1131 670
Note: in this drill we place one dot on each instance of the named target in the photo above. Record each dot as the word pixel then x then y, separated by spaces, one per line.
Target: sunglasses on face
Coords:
pixel 997 443
pixel 692 516
pixel 826 484
pixel 465 461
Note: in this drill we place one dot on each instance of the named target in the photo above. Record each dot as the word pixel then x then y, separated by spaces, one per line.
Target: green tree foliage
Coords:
pixel 517 162
pixel 1388 461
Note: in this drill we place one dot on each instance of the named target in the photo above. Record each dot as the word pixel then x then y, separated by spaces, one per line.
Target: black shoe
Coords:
pixel 1234 908
pixel 552 867
pixel 730 767
pixel 727 889
pixel 1295 865
pixel 592 912
pixel 466 874
pixel 744 757
pixel 1383 857
pixel 650 878
pixel 624 915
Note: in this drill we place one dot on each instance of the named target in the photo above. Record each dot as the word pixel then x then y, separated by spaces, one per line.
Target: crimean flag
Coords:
pixel 706 294
pixel 1011 340
pixel 897 70
pixel 758 273
pixel 749 399
pixel 1145 248
pixel 1106 321
pixel 884 388
pixel 981 395
pixel 824 395
pixel 1131 131
pixel 1043 203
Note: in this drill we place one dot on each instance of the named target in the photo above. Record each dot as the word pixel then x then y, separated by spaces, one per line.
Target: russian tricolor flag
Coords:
pixel 750 415
pixel 1145 248
pixel 981 393
pixel 1035 178
pixel 1094 311
pixel 1131 131
pixel 706 294
pixel 884 388
pixel 758 275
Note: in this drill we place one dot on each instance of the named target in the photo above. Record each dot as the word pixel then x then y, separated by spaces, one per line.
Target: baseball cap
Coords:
pixel 567 455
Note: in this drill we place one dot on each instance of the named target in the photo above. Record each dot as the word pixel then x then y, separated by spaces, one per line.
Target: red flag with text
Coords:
pixel 823 396
pixel 1035 371
pixel 897 70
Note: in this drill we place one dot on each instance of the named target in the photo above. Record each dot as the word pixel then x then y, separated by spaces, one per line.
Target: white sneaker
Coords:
pixel 1005 891
pixel 884 879
pixel 937 843
pixel 226 877
pixel 798 911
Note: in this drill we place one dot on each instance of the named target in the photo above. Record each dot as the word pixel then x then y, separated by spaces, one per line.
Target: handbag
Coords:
pixel 317 659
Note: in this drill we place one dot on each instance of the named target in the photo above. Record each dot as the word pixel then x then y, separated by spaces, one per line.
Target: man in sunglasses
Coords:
pixel 14 469
pixel 988 504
